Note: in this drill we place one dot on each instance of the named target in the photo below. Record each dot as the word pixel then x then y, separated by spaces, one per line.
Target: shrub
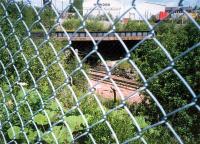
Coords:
pixel 40 106
pixel 72 24
pixel 93 25
pixel 168 89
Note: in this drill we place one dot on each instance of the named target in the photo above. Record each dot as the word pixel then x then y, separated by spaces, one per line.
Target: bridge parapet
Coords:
pixel 83 36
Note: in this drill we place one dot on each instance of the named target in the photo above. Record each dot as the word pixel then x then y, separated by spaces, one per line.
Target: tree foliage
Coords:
pixel 37 69
pixel 167 87
pixel 78 4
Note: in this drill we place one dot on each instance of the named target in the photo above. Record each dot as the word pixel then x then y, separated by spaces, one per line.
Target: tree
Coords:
pixel 79 6
pixel 48 17
pixel 167 87
pixel 29 16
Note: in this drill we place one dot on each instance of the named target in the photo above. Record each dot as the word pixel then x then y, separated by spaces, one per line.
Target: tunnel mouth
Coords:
pixel 109 50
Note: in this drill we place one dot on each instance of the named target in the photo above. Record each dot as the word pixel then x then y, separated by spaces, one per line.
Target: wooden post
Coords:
pixel 114 94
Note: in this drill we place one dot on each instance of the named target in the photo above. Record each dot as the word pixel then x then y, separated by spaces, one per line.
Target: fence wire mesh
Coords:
pixel 51 79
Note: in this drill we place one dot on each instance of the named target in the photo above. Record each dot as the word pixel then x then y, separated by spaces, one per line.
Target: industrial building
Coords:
pixel 112 7
pixel 117 8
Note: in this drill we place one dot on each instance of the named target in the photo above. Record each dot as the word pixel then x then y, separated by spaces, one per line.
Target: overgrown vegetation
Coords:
pixel 94 25
pixel 78 4
pixel 37 100
pixel 168 88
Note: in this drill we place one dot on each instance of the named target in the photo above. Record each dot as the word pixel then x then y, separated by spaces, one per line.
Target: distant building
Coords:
pixel 163 15
pixel 112 7
pixel 116 9
pixel 177 12
pixel 147 10
pixel 125 20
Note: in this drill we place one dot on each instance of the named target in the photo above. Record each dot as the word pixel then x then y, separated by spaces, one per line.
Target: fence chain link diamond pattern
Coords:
pixel 47 93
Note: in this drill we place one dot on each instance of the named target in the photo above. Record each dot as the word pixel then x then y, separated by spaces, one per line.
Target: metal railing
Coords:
pixel 102 34
pixel 46 91
pixel 77 35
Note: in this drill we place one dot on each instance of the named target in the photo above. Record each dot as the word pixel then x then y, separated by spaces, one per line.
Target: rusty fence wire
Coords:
pixel 48 93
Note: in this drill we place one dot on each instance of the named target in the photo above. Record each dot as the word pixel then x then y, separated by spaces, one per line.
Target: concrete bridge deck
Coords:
pixel 83 36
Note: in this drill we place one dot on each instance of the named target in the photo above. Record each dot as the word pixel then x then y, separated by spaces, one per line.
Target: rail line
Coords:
pixel 99 75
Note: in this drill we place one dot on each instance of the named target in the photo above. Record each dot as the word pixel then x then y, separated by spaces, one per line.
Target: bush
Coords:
pixel 132 26
pixel 27 92
pixel 72 24
pixel 168 89
pixel 135 26
pixel 34 91
pixel 93 25
pixel 40 99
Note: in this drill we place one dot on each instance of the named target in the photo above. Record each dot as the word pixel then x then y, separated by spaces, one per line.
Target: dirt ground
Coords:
pixel 107 91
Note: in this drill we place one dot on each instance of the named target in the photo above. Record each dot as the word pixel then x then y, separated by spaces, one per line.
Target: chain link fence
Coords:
pixel 49 92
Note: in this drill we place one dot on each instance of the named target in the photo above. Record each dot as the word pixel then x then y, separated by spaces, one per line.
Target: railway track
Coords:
pixel 99 75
